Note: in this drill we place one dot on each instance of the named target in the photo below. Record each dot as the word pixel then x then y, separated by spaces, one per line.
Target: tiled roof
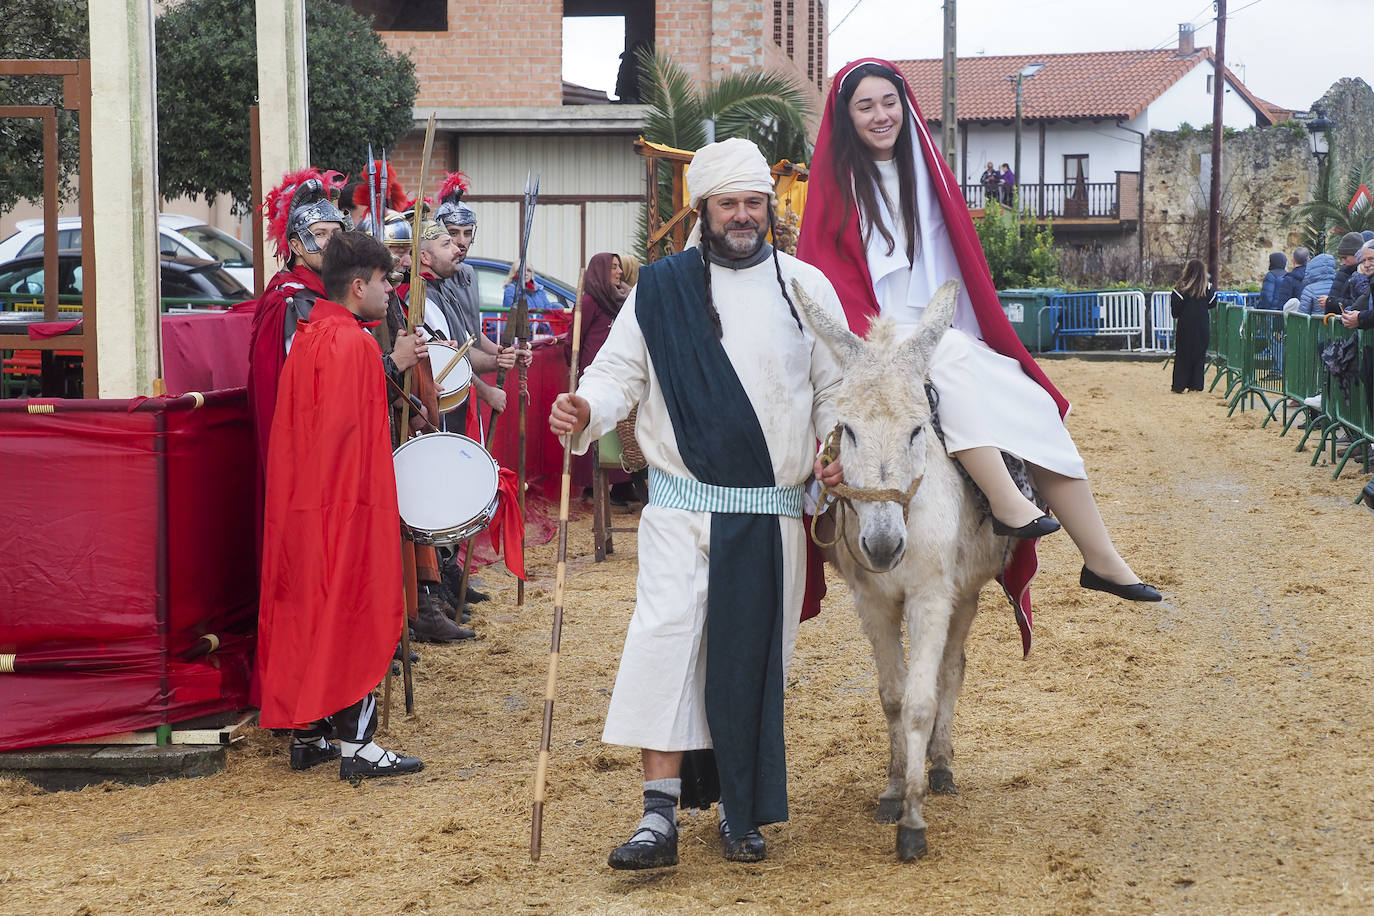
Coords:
pixel 1098 84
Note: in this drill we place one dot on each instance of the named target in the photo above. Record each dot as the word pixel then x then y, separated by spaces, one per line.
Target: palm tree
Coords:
pixel 767 108
pixel 1324 219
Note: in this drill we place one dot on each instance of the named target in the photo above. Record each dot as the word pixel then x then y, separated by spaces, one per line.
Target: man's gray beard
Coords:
pixel 727 246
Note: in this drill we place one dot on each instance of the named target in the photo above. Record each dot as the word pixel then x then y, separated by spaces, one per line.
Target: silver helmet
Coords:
pixel 310 204
pixel 456 213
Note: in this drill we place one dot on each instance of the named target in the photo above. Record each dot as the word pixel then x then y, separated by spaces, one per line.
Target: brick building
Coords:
pixel 493 74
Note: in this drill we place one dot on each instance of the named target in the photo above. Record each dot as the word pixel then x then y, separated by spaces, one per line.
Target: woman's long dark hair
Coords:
pixel 851 164
pixel 1193 283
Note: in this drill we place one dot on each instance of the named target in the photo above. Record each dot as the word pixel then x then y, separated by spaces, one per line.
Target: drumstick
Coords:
pixel 541 771
pixel 462 351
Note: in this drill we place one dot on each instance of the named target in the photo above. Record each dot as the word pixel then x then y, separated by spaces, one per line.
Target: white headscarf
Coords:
pixel 730 166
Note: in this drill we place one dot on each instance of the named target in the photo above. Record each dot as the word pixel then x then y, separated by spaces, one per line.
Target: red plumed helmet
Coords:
pixel 281 202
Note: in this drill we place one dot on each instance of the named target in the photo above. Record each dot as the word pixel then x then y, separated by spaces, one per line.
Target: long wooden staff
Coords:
pixel 542 771
pixel 414 315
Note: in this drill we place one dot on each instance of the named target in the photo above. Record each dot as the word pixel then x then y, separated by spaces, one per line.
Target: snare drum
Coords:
pixel 446 485
pixel 453 390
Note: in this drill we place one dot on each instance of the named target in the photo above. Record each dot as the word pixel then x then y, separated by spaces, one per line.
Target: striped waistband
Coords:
pixel 673 492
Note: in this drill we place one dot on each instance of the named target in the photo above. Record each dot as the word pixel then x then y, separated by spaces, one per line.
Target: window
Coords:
pixel 1076 168
pixel 791 30
pixel 811 41
pixel 777 22
pixel 1209 83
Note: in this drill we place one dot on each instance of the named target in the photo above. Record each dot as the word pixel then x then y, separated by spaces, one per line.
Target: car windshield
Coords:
pixel 224 248
pixel 224 282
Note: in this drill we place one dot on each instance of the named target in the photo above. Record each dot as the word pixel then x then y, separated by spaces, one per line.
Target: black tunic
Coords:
pixel 1190 338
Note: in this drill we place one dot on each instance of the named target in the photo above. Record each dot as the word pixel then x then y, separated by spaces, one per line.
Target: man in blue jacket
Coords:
pixel 1293 280
pixel 1269 288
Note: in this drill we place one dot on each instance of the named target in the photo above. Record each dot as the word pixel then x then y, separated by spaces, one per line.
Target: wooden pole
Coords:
pixel 542 770
pixel 1218 124
pixel 948 110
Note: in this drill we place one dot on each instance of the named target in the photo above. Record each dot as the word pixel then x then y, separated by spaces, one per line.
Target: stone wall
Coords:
pixel 1350 105
pixel 1266 172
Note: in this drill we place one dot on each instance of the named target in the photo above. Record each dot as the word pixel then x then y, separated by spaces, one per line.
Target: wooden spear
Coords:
pixel 414 315
pixel 542 771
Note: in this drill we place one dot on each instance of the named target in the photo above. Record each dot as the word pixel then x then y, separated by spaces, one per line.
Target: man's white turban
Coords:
pixel 730 166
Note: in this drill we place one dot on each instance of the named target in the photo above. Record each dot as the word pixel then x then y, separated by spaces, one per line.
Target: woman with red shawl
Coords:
pixel 887 224
pixel 603 293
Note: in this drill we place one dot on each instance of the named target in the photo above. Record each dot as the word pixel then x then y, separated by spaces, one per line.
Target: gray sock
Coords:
pixel 660 809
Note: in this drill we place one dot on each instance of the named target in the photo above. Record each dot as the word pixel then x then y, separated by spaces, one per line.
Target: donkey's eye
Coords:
pixel 849 434
pixel 914 433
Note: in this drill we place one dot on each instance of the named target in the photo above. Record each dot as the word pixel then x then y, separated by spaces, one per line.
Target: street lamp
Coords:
pixel 1024 74
pixel 1319 129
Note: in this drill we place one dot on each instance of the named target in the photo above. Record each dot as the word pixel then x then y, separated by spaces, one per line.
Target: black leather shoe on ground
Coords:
pixel 749 847
pixel 1136 592
pixel 1037 529
pixel 305 756
pixel 476 597
pixel 646 849
pixel 356 767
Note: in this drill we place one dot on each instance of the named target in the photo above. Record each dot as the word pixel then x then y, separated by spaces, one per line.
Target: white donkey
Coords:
pixel 912 544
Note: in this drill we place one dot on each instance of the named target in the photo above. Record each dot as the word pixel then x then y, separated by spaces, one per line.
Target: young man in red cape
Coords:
pixel 331 610
pixel 833 240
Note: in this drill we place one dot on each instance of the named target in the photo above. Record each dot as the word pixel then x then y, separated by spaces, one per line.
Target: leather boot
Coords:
pixel 433 626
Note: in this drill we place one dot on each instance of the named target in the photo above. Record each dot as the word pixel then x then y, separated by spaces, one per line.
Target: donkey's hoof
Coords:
pixel 911 843
pixel 942 782
pixel 889 811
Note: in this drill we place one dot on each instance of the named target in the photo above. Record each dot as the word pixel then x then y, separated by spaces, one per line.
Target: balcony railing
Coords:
pixel 1095 200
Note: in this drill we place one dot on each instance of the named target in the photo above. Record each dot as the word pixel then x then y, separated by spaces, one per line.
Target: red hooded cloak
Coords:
pixel 845 265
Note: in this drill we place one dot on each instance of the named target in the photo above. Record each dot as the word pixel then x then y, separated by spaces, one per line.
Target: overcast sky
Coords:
pixel 1286 51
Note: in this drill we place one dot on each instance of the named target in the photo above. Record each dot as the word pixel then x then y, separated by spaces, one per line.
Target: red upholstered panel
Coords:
pixel 128 534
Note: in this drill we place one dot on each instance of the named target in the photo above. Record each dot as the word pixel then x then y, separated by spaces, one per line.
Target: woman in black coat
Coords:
pixel 1190 302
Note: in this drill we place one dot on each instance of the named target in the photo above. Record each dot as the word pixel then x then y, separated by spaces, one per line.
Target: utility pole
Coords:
pixel 1214 195
pixel 949 110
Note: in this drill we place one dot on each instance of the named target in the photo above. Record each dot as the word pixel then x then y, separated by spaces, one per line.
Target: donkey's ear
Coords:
pixel 935 321
pixel 846 345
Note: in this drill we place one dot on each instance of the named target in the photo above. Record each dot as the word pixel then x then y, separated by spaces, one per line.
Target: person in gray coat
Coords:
pixel 1321 271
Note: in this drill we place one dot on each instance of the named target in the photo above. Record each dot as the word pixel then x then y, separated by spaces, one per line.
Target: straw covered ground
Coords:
pixel 1209 754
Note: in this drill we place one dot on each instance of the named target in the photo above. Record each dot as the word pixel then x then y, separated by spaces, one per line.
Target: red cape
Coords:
pixel 267 347
pixel 331 605
pixel 845 265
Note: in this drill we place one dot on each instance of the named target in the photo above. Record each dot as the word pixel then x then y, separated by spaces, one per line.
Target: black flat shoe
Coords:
pixel 1137 592
pixel 748 847
pixel 356 767
pixel 305 756
pixel 476 597
pixel 658 850
pixel 1037 529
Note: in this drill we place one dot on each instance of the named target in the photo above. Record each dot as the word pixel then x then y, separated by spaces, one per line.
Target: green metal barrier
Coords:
pixel 1260 342
pixel 1226 322
pixel 1349 405
pixel 1301 373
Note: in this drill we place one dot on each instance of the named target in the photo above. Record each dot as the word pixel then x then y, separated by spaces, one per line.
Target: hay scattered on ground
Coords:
pixel 1209 753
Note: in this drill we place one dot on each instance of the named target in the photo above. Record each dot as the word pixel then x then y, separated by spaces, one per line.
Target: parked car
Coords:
pixel 178 235
pixel 183 277
pixel 491 281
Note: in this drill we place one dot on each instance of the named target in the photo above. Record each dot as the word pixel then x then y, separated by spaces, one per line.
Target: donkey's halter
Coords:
pixel 842 496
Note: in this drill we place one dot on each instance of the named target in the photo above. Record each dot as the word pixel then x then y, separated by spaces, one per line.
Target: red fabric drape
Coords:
pixel 128 535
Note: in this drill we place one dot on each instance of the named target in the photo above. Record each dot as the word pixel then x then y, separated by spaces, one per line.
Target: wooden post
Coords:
pixel 1218 125
pixel 283 90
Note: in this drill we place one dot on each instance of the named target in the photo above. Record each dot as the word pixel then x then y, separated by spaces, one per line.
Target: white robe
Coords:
pixel 790 377
pixel 985 398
